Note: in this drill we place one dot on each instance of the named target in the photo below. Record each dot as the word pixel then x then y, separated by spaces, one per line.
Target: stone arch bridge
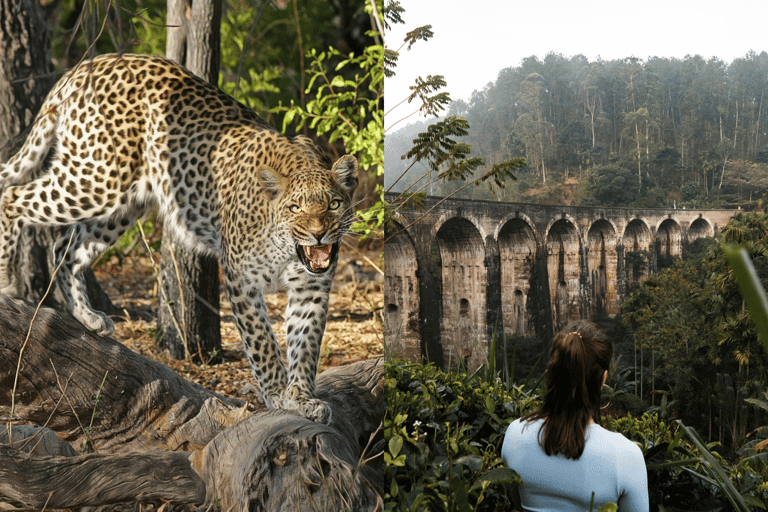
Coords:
pixel 460 272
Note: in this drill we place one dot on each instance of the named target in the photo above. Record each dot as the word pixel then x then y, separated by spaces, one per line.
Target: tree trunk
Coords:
pixel 591 109
pixel 639 166
pixel 188 318
pixel 736 124
pixel 757 123
pixel 26 76
pixel 155 436
pixel 26 73
pixel 722 173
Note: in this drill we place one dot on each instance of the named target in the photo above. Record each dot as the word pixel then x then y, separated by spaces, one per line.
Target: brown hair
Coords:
pixel 580 355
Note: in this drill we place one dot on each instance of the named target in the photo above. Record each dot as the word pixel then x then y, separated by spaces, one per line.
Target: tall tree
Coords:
pixel 636 129
pixel 188 320
pixel 590 96
pixel 532 123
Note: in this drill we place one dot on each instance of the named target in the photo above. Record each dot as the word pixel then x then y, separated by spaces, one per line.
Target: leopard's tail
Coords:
pixel 29 159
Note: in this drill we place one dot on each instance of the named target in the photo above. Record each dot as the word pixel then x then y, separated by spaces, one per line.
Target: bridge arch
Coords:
pixel 460 214
pixel 563 250
pixel 668 241
pixel 700 227
pixel 459 258
pixel 514 215
pixel 516 239
pixel 602 266
pixel 636 244
pixel 401 295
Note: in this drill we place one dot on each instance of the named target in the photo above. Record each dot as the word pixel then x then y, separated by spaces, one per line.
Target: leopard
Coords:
pixel 123 135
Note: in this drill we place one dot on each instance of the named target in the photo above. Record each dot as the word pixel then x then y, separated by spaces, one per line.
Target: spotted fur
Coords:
pixel 130 133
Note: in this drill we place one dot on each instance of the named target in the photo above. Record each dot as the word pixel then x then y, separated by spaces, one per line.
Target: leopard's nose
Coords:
pixel 318 234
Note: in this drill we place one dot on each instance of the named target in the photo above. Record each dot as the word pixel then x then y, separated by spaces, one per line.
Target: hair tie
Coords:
pixel 577 334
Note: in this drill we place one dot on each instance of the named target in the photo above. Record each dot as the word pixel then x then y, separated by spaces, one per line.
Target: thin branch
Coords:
pixel 160 285
pixel 34 316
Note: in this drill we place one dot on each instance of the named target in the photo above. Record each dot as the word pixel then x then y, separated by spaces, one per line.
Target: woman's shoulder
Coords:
pixel 521 437
pixel 521 428
pixel 522 424
pixel 615 440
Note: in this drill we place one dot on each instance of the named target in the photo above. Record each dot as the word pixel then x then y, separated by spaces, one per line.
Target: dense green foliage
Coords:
pixel 444 432
pixel 273 56
pixel 347 111
pixel 671 125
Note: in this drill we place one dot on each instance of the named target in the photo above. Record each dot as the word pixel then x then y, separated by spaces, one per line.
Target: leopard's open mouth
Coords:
pixel 318 258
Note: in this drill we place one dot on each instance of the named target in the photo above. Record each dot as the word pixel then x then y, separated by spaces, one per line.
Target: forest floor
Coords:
pixel 353 332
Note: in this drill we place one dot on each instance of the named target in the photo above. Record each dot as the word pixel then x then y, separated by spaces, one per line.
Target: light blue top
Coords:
pixel 611 466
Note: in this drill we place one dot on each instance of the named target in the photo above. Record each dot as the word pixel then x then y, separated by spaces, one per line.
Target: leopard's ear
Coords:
pixel 346 169
pixel 271 182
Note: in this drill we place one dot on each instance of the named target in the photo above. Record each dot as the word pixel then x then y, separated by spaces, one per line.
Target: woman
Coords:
pixel 565 459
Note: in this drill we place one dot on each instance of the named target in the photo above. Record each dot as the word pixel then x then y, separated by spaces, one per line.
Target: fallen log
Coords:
pixel 151 435
pixel 39 483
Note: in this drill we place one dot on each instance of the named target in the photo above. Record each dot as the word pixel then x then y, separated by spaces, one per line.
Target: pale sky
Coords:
pixel 475 39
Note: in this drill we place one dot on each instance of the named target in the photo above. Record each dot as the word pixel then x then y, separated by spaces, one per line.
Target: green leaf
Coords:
pixel 289 115
pixel 751 288
pixel 717 472
pixel 496 476
pixel 473 462
pixel 395 445
pixel 490 404
pixel 673 464
pixel 397 461
pixel 460 497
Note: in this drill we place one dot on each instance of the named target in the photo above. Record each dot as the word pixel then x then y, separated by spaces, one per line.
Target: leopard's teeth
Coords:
pixel 319 256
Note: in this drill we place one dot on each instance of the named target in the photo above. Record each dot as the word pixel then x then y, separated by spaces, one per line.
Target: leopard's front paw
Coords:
pixel 315 410
pixel 311 408
pixel 272 401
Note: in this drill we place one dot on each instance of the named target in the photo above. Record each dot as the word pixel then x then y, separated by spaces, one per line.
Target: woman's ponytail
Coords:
pixel 580 355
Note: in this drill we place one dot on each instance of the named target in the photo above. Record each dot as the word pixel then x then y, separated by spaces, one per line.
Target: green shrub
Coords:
pixel 444 433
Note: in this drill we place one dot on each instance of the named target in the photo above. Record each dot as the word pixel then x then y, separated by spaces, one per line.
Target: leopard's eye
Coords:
pixel 294 208
pixel 334 205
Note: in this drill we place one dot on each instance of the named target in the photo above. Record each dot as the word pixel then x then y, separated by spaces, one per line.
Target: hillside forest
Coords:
pixel 661 132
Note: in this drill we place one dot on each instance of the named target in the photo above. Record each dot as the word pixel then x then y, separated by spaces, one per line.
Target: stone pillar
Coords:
pixel 540 304
pixel 494 314
pixel 621 273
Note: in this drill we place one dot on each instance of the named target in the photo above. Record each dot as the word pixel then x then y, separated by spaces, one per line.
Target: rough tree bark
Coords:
pixel 188 318
pixel 26 73
pixel 154 436
pixel 26 76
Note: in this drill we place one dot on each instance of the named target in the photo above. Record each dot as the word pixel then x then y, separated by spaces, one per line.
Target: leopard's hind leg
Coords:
pixel 76 251
pixel 61 198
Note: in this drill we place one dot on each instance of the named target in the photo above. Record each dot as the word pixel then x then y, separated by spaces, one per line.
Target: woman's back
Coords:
pixel 611 467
